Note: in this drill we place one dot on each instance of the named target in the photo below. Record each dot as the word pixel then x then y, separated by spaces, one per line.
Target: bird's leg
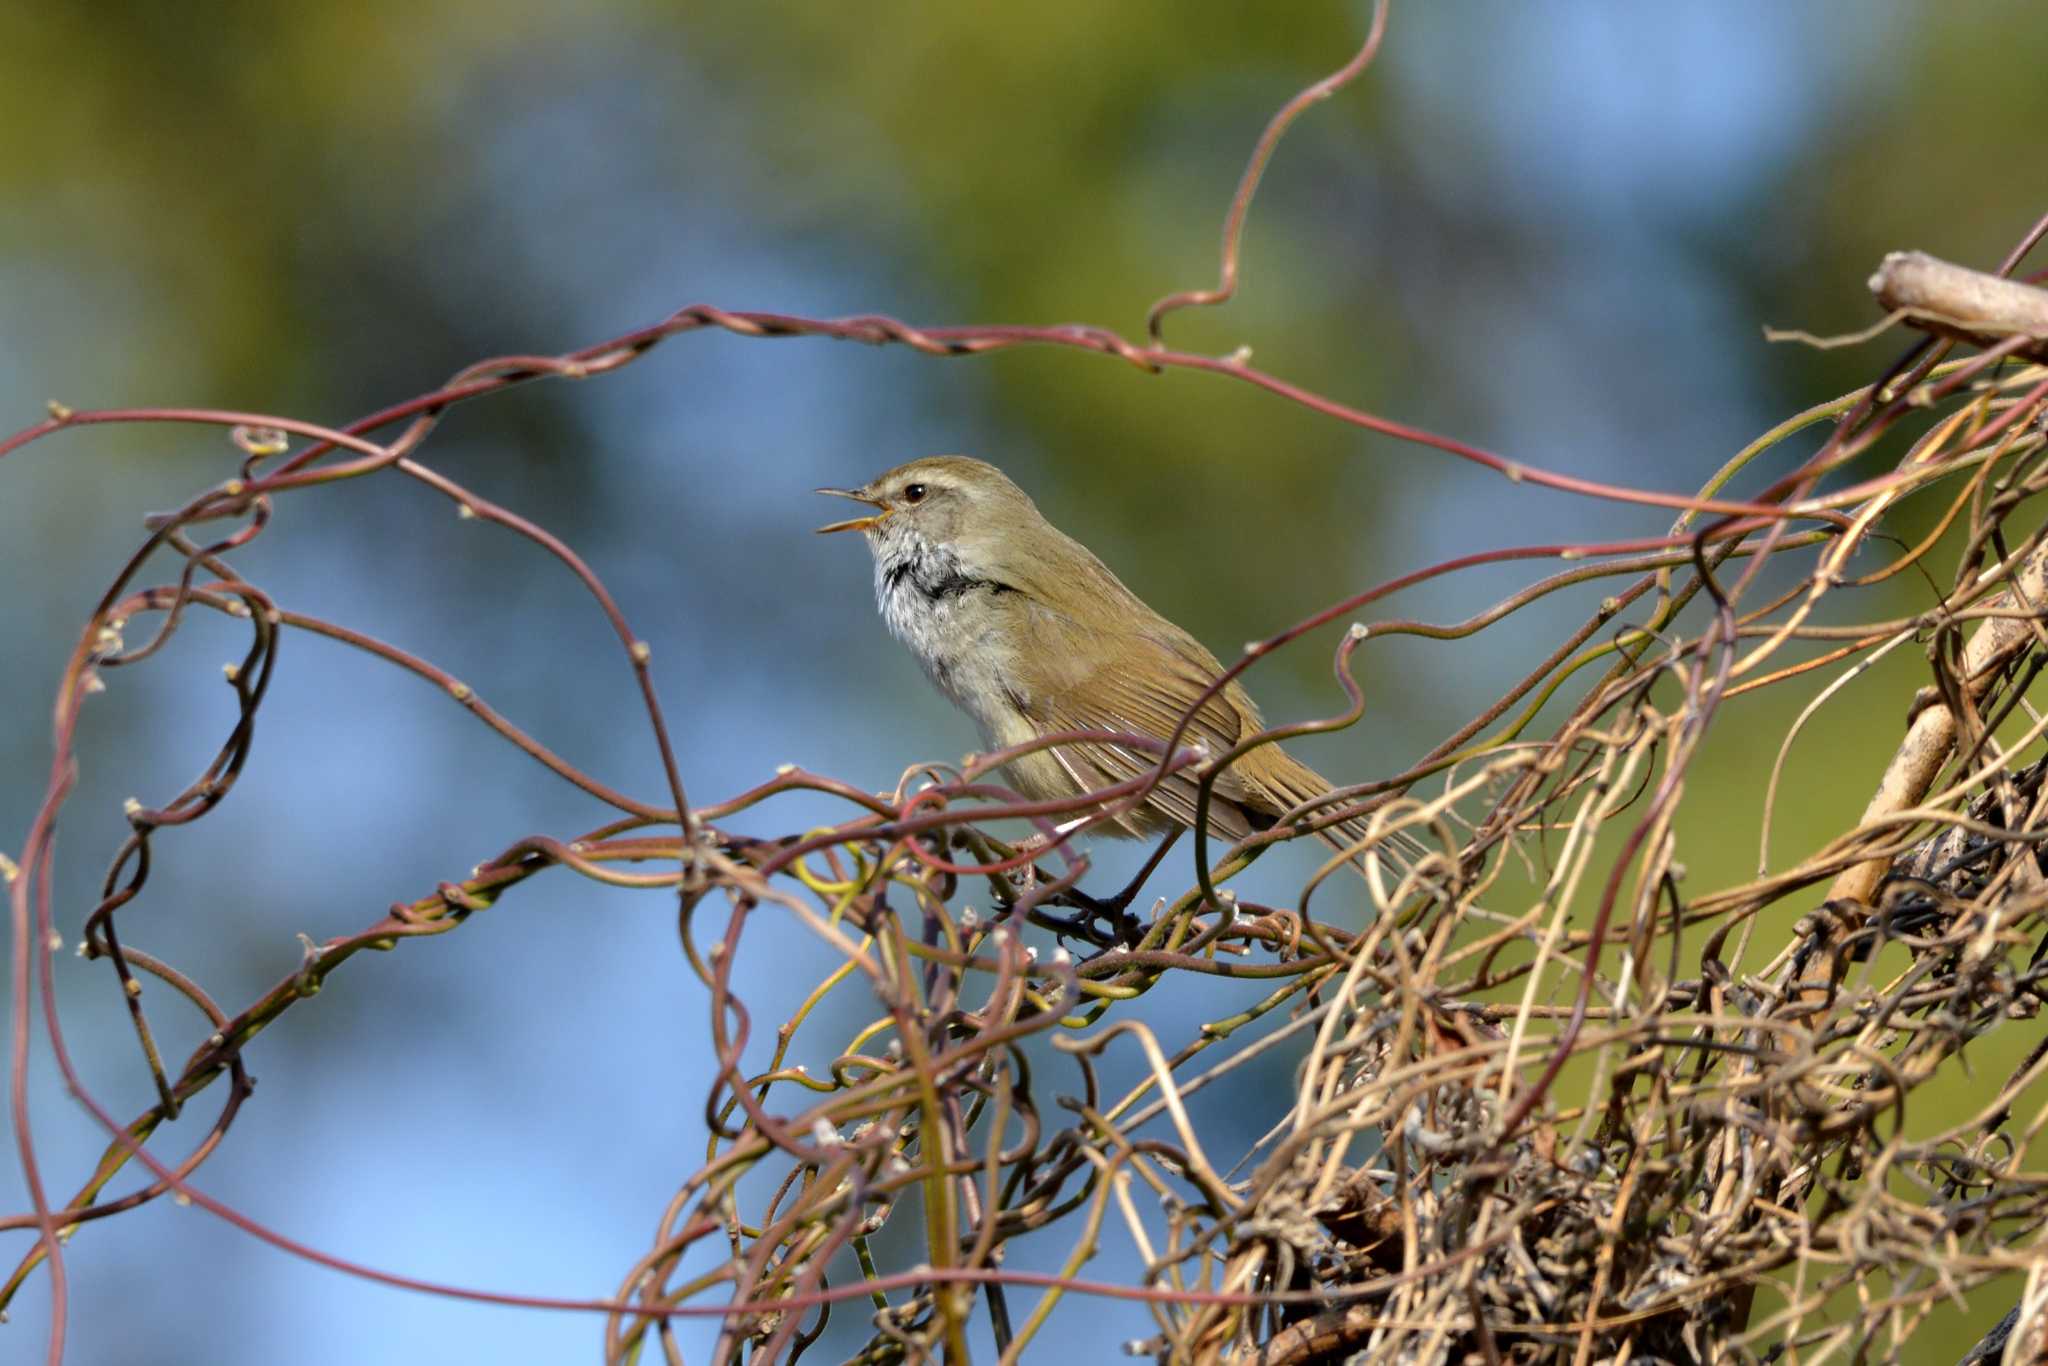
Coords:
pixel 1116 909
pixel 1131 889
pixel 1015 887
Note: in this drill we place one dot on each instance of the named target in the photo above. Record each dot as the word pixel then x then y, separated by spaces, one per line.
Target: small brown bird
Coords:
pixel 1029 633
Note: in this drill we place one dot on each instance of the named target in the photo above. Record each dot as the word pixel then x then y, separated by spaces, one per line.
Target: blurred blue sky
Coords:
pixel 1552 230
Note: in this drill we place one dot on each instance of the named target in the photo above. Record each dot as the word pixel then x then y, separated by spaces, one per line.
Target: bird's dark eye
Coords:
pixel 914 493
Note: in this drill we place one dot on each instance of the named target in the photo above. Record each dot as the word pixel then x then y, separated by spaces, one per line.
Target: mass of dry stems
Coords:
pixel 1555 1100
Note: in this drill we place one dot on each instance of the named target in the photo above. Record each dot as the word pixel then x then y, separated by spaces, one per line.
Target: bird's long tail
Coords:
pixel 1292 782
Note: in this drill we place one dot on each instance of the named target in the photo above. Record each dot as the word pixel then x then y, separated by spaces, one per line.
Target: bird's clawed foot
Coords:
pixel 1099 923
pixel 1122 928
pixel 1103 924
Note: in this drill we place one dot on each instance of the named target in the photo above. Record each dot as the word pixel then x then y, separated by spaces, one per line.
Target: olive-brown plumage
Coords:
pixel 1030 633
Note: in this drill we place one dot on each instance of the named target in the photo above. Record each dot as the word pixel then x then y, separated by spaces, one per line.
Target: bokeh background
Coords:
pixel 1554 231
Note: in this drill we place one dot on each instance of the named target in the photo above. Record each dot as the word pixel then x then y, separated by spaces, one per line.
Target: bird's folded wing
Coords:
pixel 1148 691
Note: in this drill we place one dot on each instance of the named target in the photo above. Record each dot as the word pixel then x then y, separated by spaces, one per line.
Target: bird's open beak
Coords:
pixel 856 523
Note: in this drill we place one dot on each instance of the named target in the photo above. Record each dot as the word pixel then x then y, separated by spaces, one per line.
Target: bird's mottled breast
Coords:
pixel 945 613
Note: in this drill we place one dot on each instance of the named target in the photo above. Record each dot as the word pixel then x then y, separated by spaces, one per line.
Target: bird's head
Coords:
pixel 941 500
